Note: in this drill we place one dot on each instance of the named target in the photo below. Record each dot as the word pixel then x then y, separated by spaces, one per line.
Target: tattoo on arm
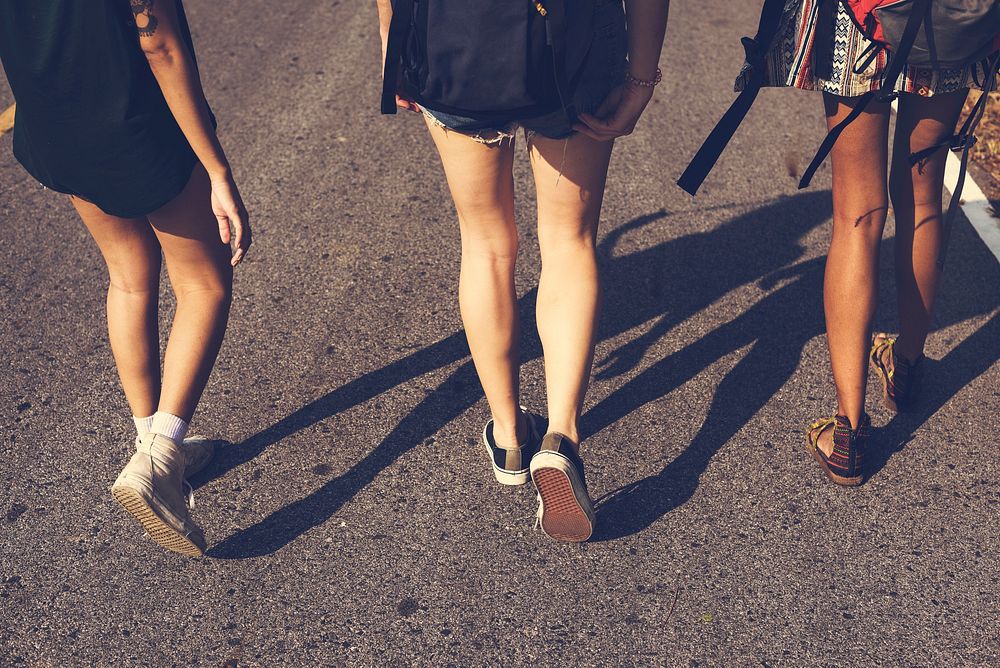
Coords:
pixel 145 22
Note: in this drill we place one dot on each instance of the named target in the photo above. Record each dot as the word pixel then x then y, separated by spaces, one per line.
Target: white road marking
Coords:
pixel 975 205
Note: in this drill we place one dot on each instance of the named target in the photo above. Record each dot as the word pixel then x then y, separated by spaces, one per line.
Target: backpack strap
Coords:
pixel 756 50
pixel 885 93
pixel 399 32
pixel 831 138
pixel 555 34
pixel 963 141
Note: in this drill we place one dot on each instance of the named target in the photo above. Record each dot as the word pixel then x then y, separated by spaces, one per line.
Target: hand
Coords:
pixel 617 115
pixel 401 102
pixel 404 103
pixel 227 205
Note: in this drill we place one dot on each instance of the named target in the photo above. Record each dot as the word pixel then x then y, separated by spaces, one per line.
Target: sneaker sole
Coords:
pixel 161 533
pixel 566 516
pixel 510 479
pixel 838 479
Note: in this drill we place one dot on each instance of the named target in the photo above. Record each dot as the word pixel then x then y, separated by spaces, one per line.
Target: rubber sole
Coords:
pixel 161 532
pixel 510 479
pixel 565 515
pixel 838 479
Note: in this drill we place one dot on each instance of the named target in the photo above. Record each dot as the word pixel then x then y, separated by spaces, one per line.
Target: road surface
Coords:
pixel 353 520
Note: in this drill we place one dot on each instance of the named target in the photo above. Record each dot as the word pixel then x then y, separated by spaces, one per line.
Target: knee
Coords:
pixel 496 245
pixel 864 225
pixel 135 284
pixel 576 240
pixel 214 290
pixel 918 188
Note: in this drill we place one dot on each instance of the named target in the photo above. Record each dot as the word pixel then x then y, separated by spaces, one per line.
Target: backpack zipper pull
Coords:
pixel 540 7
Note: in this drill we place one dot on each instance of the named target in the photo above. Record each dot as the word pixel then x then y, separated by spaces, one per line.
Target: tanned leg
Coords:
pixel 570 175
pixel 917 192
pixel 132 255
pixel 482 185
pixel 201 276
pixel 850 284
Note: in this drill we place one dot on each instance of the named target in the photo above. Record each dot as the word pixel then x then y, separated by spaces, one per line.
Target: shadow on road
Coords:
pixel 777 328
pixel 969 360
pixel 669 283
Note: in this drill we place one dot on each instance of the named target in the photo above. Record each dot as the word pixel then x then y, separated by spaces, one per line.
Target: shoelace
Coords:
pixel 186 486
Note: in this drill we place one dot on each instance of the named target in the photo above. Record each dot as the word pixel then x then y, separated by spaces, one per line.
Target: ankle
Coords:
pixel 570 431
pixel 143 425
pixel 855 418
pixel 169 425
pixel 510 434
pixel 906 351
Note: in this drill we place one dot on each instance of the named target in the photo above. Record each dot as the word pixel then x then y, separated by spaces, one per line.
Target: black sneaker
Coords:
pixel 565 511
pixel 510 466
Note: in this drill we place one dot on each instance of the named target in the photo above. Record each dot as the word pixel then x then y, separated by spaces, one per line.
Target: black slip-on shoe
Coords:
pixel 510 465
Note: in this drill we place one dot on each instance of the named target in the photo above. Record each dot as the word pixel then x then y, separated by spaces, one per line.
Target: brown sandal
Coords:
pixel 845 465
pixel 901 379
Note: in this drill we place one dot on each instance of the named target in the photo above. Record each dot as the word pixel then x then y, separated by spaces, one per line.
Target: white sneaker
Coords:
pixel 198 452
pixel 151 488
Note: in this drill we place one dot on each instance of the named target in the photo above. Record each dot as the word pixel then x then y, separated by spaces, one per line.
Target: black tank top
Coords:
pixel 91 120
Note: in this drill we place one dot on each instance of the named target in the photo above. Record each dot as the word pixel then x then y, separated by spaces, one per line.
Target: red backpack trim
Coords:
pixel 863 12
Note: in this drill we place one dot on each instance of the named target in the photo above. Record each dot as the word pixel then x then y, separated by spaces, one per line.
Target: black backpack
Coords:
pixel 487 58
pixel 933 34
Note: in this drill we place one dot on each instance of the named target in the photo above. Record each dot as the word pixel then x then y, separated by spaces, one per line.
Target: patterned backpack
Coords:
pixel 932 34
pixel 963 32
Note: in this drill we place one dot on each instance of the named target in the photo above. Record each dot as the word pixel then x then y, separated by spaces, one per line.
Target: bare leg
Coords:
pixel 850 285
pixel 201 278
pixel 916 201
pixel 132 256
pixel 482 185
pixel 569 177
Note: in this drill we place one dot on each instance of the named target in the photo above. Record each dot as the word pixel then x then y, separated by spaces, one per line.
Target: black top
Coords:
pixel 91 120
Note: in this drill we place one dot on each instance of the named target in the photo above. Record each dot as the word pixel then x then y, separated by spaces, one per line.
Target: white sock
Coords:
pixel 169 425
pixel 143 425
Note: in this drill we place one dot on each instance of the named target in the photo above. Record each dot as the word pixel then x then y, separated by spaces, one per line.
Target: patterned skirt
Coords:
pixel 797 60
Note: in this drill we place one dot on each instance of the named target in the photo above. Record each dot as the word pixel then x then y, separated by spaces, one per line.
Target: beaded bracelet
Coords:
pixel 643 83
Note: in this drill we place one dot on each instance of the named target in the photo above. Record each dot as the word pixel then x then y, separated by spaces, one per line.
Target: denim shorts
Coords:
pixel 602 70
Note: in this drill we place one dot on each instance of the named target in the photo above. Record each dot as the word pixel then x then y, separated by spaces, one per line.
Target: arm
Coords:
pixel 173 66
pixel 618 114
pixel 647 26
pixel 384 19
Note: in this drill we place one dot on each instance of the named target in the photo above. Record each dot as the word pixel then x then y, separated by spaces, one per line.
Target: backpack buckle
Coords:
pixel 961 143
pixel 886 95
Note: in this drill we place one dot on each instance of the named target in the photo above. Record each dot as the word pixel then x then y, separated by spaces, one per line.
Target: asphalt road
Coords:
pixel 354 520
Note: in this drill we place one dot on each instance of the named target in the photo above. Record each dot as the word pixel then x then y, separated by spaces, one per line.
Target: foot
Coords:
pixel 151 489
pixel 901 378
pixel 565 511
pixel 839 449
pixel 510 465
pixel 198 452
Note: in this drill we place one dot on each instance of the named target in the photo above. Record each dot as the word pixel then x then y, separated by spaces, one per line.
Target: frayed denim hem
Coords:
pixel 490 137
